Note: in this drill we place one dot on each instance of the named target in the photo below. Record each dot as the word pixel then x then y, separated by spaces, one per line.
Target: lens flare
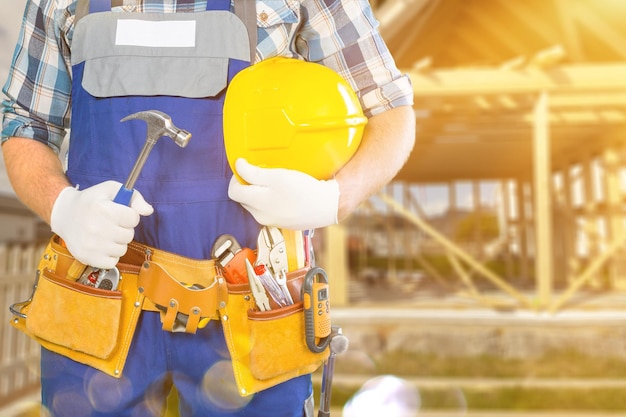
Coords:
pixel 106 393
pixel 69 403
pixel 220 388
pixel 384 395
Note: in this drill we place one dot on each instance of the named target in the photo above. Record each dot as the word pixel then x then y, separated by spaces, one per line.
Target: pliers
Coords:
pixel 258 291
pixel 272 252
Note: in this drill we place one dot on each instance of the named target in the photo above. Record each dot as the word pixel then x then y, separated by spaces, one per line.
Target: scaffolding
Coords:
pixel 556 152
pixel 529 96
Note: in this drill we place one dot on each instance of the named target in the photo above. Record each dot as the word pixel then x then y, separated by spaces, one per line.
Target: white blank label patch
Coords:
pixel 171 33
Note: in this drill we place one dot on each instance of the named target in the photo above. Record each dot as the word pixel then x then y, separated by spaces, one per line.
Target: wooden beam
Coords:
pixel 562 79
pixel 589 272
pixel 336 259
pixel 615 217
pixel 590 100
pixel 542 208
pixel 456 250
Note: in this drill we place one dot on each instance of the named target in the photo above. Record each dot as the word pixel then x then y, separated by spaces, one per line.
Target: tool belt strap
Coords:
pixel 184 290
pixel 173 296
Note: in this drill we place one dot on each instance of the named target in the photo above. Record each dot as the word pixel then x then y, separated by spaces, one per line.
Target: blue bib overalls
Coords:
pixel 113 78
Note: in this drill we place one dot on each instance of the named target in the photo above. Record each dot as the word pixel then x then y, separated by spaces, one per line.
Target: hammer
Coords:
pixel 338 345
pixel 159 125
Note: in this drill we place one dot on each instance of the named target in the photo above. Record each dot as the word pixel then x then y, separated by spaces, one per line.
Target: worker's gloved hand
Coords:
pixel 95 229
pixel 285 198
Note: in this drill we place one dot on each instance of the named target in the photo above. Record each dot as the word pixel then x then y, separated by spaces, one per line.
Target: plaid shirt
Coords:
pixel 341 34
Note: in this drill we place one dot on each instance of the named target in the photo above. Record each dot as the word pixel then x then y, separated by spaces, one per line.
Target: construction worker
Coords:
pixel 84 65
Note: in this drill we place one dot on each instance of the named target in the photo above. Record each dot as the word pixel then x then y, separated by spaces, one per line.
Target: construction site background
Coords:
pixel 488 279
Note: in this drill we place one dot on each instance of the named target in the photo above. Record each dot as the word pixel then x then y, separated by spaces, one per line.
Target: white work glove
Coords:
pixel 285 198
pixel 95 229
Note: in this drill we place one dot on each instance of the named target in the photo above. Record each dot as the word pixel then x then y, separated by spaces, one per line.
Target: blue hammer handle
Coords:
pixel 123 196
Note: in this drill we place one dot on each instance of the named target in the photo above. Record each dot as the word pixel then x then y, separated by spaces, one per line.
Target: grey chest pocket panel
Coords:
pixel 147 54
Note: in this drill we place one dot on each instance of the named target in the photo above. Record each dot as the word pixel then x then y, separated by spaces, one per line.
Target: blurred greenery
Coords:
pixel 545 399
pixel 441 264
pixel 510 399
pixel 477 224
pixel 554 365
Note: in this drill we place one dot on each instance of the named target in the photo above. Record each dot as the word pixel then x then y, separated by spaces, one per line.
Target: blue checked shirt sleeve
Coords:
pixel 343 35
pixel 37 102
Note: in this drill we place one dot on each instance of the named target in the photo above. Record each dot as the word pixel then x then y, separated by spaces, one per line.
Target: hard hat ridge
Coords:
pixel 288 113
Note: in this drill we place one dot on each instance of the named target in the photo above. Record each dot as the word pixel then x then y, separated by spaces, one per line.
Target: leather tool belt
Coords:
pixel 96 326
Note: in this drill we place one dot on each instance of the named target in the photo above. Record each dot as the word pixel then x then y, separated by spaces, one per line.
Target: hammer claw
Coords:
pixel 159 125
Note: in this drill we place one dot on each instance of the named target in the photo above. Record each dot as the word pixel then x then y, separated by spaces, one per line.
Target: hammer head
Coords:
pixel 160 124
pixel 338 342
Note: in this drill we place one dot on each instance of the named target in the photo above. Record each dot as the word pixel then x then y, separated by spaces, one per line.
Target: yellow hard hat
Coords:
pixel 287 113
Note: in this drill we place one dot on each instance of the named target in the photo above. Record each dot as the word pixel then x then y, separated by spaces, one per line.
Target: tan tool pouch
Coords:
pixel 185 304
pixel 267 347
pixel 89 325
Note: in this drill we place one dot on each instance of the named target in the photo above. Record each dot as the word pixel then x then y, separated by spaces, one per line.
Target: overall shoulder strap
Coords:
pixel 84 7
pixel 246 11
pixel 101 5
